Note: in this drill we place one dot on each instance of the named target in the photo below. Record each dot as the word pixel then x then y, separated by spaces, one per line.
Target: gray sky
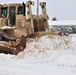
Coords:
pixel 62 9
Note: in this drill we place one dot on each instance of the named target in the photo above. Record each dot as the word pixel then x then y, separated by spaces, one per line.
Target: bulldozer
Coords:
pixel 16 26
pixel 15 22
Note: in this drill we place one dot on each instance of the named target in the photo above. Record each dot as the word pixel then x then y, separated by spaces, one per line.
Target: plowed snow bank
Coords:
pixel 43 46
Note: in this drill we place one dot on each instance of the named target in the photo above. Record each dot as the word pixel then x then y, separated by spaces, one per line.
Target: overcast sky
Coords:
pixel 61 9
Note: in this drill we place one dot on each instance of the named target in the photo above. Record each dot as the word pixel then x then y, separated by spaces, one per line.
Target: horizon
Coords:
pixel 61 9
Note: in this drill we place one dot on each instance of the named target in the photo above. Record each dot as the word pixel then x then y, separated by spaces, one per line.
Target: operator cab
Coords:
pixel 14 10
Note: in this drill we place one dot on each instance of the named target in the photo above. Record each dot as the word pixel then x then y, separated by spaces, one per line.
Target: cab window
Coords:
pixel 4 12
pixel 20 10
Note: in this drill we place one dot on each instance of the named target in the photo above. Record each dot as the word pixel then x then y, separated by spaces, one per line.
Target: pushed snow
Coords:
pixel 47 55
pixel 43 45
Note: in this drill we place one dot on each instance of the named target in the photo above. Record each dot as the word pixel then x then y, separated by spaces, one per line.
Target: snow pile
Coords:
pixel 43 46
pixel 62 22
pixel 56 49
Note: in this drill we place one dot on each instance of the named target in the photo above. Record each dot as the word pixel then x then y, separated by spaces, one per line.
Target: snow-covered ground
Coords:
pixel 63 22
pixel 47 55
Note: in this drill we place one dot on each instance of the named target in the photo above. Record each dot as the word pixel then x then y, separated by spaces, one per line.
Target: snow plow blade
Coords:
pixel 43 33
pixel 15 48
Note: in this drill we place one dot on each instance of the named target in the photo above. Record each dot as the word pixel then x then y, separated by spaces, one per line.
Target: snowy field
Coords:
pixel 47 55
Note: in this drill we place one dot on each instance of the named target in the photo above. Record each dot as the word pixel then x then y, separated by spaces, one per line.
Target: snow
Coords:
pixel 47 55
pixel 63 22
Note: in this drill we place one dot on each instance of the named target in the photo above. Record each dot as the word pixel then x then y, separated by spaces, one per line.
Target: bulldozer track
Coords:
pixel 14 49
pixel 7 36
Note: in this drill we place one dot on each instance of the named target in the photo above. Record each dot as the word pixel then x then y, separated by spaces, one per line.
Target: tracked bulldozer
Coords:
pixel 16 26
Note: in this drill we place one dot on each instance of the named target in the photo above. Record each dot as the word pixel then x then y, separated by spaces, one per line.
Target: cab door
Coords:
pixel 12 16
